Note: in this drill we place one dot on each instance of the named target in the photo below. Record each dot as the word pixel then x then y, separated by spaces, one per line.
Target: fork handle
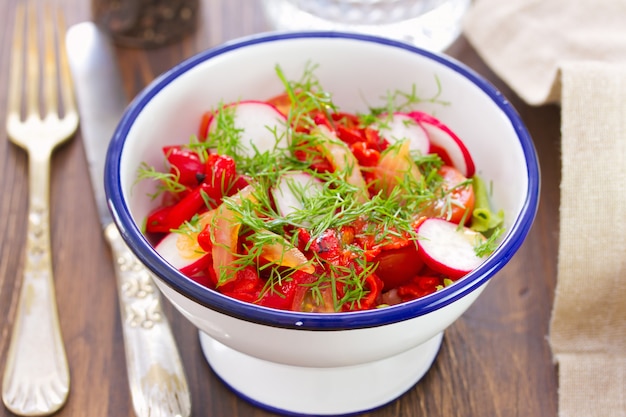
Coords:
pixel 36 379
pixel 156 376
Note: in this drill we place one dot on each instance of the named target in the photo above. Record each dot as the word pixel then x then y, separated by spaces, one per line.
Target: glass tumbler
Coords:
pixel 430 24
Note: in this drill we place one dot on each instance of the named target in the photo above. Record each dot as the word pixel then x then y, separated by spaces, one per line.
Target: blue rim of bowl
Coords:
pixel 316 321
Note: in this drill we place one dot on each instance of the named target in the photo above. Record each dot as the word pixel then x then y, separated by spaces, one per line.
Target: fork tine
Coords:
pixel 66 88
pixel 50 94
pixel 17 64
pixel 26 75
pixel 32 63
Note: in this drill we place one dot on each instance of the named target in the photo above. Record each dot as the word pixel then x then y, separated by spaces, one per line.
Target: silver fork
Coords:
pixel 36 378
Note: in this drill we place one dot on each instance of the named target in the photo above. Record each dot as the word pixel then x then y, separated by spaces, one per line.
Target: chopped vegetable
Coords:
pixel 483 218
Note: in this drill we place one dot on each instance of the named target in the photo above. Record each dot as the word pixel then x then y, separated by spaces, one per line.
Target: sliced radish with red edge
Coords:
pixel 448 248
pixel 402 126
pixel 186 261
pixel 442 138
pixel 292 189
pixel 263 127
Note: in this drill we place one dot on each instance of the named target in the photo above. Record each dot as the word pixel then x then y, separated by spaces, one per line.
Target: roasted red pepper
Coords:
pixel 204 238
pixel 174 216
pixel 247 285
pixel 328 247
pixel 221 174
pixel 185 164
pixel 374 288
pixel 419 286
pixel 280 297
pixel 366 156
pixel 349 135
pixel 156 221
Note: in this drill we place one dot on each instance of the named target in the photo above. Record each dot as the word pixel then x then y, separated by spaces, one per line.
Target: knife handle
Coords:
pixel 156 376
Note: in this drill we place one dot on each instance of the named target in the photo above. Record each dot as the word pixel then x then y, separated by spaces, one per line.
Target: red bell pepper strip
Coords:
pixel 156 221
pixel 186 208
pixel 374 140
pixel 280 297
pixel 246 286
pixel 372 298
pixel 349 135
pixel 186 164
pixel 366 156
pixel 204 238
pixel 221 173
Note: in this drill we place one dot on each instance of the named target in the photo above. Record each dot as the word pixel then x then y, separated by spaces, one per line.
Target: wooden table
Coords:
pixel 494 361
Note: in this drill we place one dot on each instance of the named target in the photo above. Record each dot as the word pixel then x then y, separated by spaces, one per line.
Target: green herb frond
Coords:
pixel 488 246
pixel 190 227
pixel 402 101
pixel 166 181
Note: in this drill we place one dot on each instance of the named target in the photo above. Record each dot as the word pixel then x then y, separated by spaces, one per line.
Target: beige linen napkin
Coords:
pixel 574 52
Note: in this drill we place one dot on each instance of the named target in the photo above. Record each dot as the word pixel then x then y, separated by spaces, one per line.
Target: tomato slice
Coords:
pixel 398 266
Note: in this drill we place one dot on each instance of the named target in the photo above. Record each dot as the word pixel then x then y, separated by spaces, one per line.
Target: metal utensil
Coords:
pixel 36 378
pixel 155 373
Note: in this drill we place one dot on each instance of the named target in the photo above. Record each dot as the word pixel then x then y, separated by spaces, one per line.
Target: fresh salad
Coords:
pixel 295 204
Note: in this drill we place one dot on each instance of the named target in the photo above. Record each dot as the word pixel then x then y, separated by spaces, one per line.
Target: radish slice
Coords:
pixel 292 189
pixel 401 126
pixel 176 249
pixel 442 137
pixel 447 248
pixel 183 251
pixel 263 127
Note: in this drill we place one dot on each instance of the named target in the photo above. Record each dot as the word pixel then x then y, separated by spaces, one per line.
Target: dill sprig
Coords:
pixel 488 246
pixel 402 101
pixel 166 181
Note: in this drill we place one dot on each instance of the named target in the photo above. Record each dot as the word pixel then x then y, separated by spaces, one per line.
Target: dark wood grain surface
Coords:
pixel 494 361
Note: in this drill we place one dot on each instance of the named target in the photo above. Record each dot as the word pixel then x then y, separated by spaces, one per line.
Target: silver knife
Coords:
pixel 156 376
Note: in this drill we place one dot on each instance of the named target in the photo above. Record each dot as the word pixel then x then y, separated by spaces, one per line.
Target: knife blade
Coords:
pixel 156 377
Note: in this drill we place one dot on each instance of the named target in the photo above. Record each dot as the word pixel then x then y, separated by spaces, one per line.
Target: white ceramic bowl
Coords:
pixel 313 363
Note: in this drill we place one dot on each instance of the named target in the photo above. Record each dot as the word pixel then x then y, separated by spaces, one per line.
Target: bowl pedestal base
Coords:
pixel 295 390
